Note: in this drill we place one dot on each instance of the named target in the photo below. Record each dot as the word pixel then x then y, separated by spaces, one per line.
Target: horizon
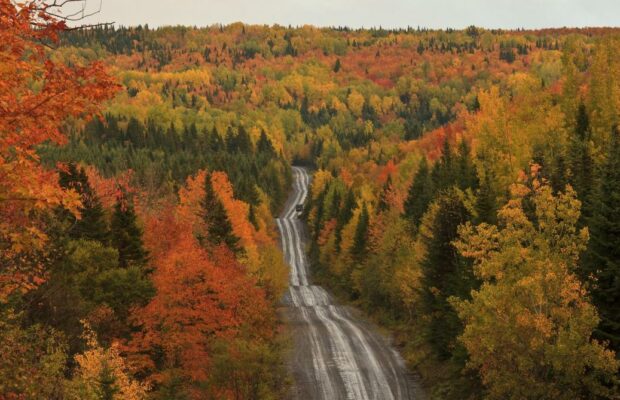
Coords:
pixel 361 14
pixel 360 28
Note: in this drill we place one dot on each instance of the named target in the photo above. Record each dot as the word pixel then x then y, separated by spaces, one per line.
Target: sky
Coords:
pixel 506 14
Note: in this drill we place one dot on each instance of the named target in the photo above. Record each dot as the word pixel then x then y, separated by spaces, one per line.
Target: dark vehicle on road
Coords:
pixel 299 207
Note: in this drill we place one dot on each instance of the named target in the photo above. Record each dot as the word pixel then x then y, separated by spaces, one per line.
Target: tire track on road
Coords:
pixel 336 357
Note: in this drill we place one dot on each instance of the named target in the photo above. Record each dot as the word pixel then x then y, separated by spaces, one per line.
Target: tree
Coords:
pixel 92 224
pixel 33 360
pixel 202 297
pixel 444 171
pixel 37 95
pixel 602 261
pixel 531 305
pixel 219 228
pixel 465 174
pixel 101 374
pixel 486 204
pixel 337 65
pixel 126 234
pixel 581 162
pixel 360 239
pixel 419 196
pixel 444 272
pixel 344 216
pixel 264 145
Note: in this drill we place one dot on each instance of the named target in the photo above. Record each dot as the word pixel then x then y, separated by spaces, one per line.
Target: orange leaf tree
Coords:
pixel 36 96
pixel 203 297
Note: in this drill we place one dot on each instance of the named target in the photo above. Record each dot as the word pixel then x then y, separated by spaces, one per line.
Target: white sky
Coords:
pixel 363 13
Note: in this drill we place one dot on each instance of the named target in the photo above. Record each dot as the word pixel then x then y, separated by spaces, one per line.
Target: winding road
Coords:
pixel 335 355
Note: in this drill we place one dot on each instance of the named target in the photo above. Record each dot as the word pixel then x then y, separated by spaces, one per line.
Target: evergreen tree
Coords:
pixel 360 239
pixel 230 139
pixel 344 216
pixel 107 381
pixel 420 48
pixel 420 195
pixel 126 234
pixel 337 65
pixel 240 142
pixel 602 261
pixel 92 224
pixel 264 145
pixel 445 272
pixel 252 217
pixel 466 176
pixel 219 228
pixel 317 225
pixel 443 171
pixel 486 205
pixel 581 162
pixel 215 142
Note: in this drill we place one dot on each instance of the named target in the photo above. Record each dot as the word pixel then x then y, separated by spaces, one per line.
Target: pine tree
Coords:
pixel 215 142
pixel 337 65
pixel 445 272
pixel 581 163
pixel 344 216
pixel 486 205
pixel 420 195
pixel 219 228
pixel 602 261
pixel 92 224
pixel 241 142
pixel 126 234
pixel 466 176
pixel 420 48
pixel 252 217
pixel 360 239
pixel 264 145
pixel 443 173
pixel 107 381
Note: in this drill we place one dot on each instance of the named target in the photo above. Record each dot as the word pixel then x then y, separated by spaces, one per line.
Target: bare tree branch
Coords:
pixel 56 9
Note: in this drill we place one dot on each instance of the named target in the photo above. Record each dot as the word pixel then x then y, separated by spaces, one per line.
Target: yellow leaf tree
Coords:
pixel 528 328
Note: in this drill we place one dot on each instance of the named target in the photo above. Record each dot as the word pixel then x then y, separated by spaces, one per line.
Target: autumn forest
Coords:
pixel 185 212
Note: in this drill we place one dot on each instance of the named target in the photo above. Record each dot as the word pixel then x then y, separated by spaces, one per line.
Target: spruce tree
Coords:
pixel 126 234
pixel 360 239
pixel 344 216
pixel 337 65
pixel 92 223
pixel 219 228
pixel 486 204
pixel 581 163
pixel 443 173
pixel 420 195
pixel 252 217
pixel 602 262
pixel 466 176
pixel 264 146
pixel 444 272
pixel 215 142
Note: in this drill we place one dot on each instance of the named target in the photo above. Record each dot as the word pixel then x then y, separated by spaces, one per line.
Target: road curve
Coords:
pixel 335 355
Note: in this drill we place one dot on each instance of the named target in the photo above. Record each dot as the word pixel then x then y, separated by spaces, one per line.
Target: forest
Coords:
pixel 465 196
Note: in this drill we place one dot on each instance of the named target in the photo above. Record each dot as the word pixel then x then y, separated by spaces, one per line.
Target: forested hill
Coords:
pixel 465 193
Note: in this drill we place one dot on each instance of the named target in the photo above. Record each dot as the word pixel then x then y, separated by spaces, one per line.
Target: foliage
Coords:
pixel 37 95
pixel 412 132
pixel 102 374
pixel 531 304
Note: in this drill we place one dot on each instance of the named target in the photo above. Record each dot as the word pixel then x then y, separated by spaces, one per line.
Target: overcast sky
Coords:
pixel 364 13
